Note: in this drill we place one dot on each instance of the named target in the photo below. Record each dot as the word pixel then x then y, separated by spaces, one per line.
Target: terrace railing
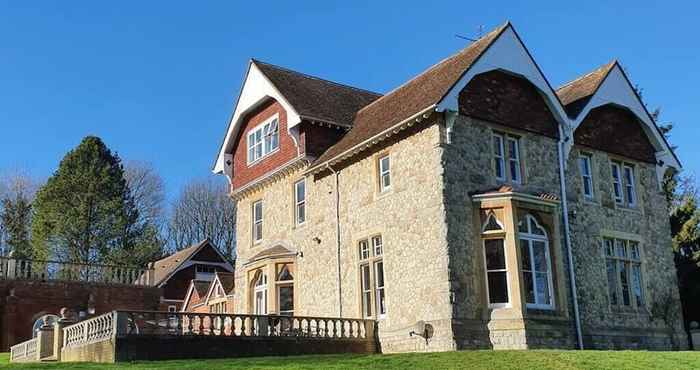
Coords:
pixel 22 269
pixel 24 352
pixel 212 324
pixel 89 331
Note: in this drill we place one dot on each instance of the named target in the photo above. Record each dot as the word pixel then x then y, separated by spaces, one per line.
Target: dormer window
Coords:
pixel 263 140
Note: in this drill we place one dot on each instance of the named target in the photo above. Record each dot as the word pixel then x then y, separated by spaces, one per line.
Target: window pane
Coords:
pixel 620 249
pixel 379 278
pixel 529 287
pixel 384 163
pixel 542 284
pixel 534 228
pixel 379 285
pixel 364 250
pixel 497 146
pixel 525 262
pixel 498 167
pixel 301 190
pixel 624 283
pixel 515 170
pixel 512 149
pixel 637 284
pixel 609 247
pixel 612 281
pixel 366 290
pixel 386 180
pixel 377 244
pixel 495 256
pixel 286 299
pixel 492 224
pixel 498 287
pixel 301 213
pixel 539 252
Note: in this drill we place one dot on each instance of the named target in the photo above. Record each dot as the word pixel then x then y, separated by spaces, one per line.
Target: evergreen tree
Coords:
pixel 15 218
pixel 85 213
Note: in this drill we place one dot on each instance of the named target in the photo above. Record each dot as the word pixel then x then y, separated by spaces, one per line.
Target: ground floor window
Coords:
pixel 624 272
pixel 285 290
pixel 496 272
pixel 535 263
pixel 260 294
pixel 372 277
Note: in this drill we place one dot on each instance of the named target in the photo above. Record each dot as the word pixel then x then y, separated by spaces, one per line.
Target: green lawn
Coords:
pixel 433 361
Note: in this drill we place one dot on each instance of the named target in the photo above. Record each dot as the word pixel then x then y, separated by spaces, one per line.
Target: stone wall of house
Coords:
pixel 605 326
pixel 468 165
pixel 410 218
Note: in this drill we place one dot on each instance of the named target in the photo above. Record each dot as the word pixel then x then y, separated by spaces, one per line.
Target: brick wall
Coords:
pixel 615 130
pixel 26 301
pixel 243 174
pixel 508 100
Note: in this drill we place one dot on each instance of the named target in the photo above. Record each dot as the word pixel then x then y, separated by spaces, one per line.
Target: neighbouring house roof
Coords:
pixel 576 94
pixel 409 99
pixel 198 287
pixel 227 281
pixel 315 98
pixel 164 268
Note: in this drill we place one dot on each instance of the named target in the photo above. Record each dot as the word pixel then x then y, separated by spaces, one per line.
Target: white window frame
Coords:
pixel 383 186
pixel 262 289
pixel 616 174
pixel 630 262
pixel 630 186
pixel 371 253
pixel 299 204
pixel 257 236
pixel 258 137
pixel 516 176
pixel 586 169
pixel 498 150
pixel 531 238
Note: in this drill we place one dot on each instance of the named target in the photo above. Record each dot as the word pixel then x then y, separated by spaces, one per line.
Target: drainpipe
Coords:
pixel 337 238
pixel 567 238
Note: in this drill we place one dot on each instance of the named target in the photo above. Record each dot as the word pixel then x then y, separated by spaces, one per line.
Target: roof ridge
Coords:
pixel 444 60
pixel 315 77
pixel 606 65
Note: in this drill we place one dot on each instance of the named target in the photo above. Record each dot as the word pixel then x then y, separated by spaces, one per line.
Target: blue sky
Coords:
pixel 157 79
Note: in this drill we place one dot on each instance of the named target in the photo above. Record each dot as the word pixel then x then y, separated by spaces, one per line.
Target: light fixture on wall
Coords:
pixel 317 239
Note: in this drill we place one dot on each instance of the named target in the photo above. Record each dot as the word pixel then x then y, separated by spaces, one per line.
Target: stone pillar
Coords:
pixel 67 318
pixel 45 342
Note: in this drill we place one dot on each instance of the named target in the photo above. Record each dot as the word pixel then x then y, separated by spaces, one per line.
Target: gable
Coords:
pixel 208 254
pixel 616 130
pixel 511 101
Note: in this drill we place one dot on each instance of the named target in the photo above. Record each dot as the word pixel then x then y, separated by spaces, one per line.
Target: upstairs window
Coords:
pixel 263 140
pixel 584 162
pixel 300 202
pixel 506 158
pixel 624 184
pixel 204 272
pixel 384 173
pixel 257 221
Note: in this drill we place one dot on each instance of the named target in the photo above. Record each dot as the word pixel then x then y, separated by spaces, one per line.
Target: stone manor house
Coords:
pixel 474 206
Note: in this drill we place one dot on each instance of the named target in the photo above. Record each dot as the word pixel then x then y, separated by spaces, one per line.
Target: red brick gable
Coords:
pixel 508 100
pixel 244 174
pixel 615 130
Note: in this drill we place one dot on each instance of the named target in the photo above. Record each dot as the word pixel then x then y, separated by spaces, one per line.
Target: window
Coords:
pixel 624 185
pixel 260 294
pixel 535 264
pixel 384 173
pixel 372 277
pixel 617 182
pixel 257 221
pixel 285 290
pixel 496 272
pixel 204 272
pixel 506 158
pixel 584 162
pixel 630 192
pixel 172 308
pixel 300 202
pixel 624 270
pixel 263 140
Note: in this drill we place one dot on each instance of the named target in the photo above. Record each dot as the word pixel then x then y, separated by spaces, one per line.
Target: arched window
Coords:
pixel 535 263
pixel 260 294
pixel 42 321
pixel 285 290
pixel 492 224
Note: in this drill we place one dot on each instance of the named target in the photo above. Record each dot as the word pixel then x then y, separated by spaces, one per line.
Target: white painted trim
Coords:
pixel 257 89
pixel 260 127
pixel 516 196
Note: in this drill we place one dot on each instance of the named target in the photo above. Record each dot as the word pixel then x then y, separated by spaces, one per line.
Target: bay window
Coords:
pixel 536 264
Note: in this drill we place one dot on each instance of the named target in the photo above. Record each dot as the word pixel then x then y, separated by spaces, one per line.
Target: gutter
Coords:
pixel 567 238
pixel 337 237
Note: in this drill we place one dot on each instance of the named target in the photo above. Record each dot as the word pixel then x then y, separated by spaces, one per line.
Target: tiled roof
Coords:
pixel 163 268
pixel 227 281
pixel 276 250
pixel 315 98
pixel 505 189
pixel 575 94
pixel 411 98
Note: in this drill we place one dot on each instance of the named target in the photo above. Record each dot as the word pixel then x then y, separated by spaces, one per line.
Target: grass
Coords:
pixel 433 361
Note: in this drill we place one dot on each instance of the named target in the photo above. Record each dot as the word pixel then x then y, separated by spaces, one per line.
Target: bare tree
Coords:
pixel 203 210
pixel 148 191
pixel 17 191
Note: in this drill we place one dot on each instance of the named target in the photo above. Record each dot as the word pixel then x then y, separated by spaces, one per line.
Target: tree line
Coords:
pixel 97 209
